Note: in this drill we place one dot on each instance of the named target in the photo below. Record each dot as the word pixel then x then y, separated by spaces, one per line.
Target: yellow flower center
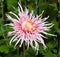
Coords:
pixel 28 25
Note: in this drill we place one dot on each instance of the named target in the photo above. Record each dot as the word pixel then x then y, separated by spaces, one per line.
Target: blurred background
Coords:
pixel 51 8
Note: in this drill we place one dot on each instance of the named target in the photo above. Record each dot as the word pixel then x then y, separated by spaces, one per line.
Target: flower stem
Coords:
pixel 4 10
pixel 18 52
pixel 23 50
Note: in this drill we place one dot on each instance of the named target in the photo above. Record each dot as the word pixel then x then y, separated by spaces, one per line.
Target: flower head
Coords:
pixel 28 28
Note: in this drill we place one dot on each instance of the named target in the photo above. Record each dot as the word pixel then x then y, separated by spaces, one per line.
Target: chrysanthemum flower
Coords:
pixel 28 28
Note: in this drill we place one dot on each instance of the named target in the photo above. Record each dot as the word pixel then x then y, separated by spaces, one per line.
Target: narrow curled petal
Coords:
pixel 26 11
pixel 44 19
pixel 48 34
pixel 41 13
pixel 22 40
pixel 10 24
pixel 17 42
pixel 31 14
pixel 14 15
pixel 51 26
pixel 9 17
pixel 15 39
pixel 12 38
pixel 11 33
pixel 20 7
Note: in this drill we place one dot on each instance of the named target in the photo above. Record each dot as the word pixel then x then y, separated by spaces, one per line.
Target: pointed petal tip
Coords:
pixel 10 12
pixel 9 43
pixel 44 46
pixel 6 14
pixel 14 47
pixel 42 11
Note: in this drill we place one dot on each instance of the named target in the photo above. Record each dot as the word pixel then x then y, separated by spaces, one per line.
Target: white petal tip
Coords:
pixel 14 47
pixel 10 12
pixel 43 11
pixel 10 43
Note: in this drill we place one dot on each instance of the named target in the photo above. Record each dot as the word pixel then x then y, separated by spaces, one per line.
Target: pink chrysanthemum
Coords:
pixel 28 28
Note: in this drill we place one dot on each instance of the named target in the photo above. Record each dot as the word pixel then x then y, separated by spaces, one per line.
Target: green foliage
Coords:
pixel 1 27
pixel 56 26
pixel 48 52
pixel 30 52
pixel 4 49
pixel 11 3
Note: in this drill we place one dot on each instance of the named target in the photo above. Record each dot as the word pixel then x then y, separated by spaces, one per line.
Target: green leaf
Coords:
pixel 1 31
pixel 50 45
pixel 54 6
pixel 4 49
pixel 11 3
pixel 30 52
pixel 46 52
pixel 56 25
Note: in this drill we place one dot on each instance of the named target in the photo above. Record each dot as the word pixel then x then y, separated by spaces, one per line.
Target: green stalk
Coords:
pixel 58 17
pixel 37 7
pixel 18 52
pixel 23 50
pixel 4 9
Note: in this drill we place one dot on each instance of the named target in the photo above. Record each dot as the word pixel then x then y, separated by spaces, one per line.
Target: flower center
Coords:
pixel 28 26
